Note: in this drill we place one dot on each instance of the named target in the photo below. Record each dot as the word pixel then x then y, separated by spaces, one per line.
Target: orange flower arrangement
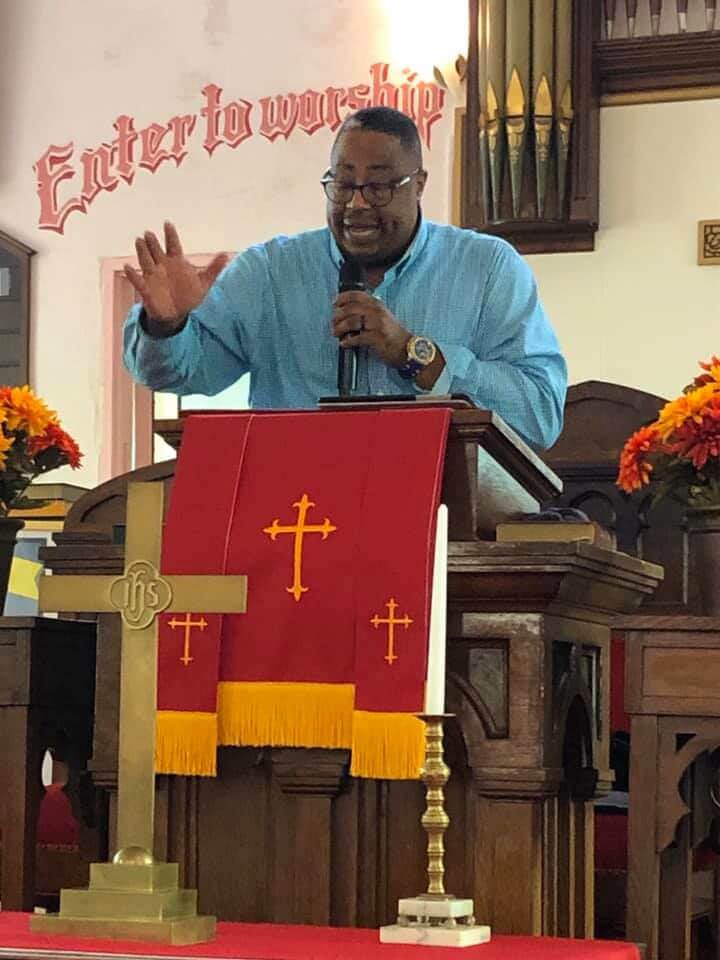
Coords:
pixel 31 442
pixel 681 449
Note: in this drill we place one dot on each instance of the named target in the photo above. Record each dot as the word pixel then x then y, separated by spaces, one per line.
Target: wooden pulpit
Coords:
pixel 287 835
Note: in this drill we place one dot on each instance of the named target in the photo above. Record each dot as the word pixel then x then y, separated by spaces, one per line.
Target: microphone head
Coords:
pixel 352 276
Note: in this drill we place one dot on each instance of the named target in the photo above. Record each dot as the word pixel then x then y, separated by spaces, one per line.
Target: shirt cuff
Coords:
pixel 153 354
pixel 440 387
pixel 143 321
pixel 458 359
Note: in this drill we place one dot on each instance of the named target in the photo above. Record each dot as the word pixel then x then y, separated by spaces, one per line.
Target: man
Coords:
pixel 450 310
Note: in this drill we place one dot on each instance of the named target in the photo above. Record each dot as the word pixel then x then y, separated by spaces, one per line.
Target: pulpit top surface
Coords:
pixel 486 463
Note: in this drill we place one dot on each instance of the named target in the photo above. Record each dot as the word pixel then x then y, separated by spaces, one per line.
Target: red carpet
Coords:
pixel 248 941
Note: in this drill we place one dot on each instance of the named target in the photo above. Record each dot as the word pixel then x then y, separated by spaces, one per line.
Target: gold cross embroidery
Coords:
pixel 299 529
pixel 188 623
pixel 391 622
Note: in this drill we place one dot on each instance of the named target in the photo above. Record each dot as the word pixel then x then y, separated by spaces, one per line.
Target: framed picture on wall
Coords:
pixel 9 284
pixel 709 243
pixel 15 260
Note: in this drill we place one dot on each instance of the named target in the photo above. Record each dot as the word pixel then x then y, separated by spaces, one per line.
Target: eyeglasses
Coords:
pixel 375 194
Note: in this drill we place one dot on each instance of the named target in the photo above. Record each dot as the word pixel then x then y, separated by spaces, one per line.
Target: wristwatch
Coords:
pixel 420 354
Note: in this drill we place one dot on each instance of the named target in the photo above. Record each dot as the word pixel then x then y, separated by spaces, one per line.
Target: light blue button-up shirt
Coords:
pixel 269 313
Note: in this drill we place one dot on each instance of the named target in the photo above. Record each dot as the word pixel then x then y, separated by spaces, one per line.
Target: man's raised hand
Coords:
pixel 169 285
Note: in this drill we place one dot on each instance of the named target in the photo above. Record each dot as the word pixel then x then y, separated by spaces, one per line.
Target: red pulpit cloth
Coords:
pixel 332 518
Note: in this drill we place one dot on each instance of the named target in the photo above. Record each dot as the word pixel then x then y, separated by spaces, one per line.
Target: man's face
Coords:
pixel 366 233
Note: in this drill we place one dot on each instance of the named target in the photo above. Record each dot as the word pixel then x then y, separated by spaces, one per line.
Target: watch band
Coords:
pixel 410 369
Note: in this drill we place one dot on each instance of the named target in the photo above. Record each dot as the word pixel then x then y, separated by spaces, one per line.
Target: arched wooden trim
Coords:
pixel 671 806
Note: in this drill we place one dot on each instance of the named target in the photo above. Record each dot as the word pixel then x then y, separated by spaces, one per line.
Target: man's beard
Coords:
pixel 384 262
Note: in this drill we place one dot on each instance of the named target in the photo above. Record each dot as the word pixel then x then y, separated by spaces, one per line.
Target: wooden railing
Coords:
pixel 652 18
pixel 652 50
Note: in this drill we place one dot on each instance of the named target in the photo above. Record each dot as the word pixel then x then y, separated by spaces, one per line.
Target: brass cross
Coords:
pixel 299 529
pixel 139 596
pixel 188 623
pixel 391 622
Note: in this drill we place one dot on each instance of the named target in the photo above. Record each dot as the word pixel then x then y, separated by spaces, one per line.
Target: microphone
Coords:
pixel 352 277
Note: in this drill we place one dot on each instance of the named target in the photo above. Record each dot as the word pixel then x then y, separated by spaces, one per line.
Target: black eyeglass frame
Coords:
pixel 350 189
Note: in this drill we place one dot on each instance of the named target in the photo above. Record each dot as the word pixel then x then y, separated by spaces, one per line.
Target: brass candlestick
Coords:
pixel 435 820
pixel 435 918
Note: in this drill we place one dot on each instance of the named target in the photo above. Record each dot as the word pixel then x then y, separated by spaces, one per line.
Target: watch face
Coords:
pixel 424 350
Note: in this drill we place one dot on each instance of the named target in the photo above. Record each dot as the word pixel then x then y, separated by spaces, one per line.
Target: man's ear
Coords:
pixel 421 180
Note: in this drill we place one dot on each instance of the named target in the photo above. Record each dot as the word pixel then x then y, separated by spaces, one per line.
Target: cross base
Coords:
pixel 130 901
pixel 442 921
pixel 178 933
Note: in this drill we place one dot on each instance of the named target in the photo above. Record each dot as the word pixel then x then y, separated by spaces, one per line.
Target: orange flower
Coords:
pixel 32 442
pixel 688 406
pixel 682 445
pixel 635 469
pixel 698 440
pixel 25 411
pixel 55 437
pixel 5 444
pixel 713 372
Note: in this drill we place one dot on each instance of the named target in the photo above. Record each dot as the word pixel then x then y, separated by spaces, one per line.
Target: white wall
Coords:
pixel 638 311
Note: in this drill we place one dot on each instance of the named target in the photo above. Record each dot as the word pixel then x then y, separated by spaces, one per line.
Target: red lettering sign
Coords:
pixel 97 174
pixel 51 169
pixel 124 148
pixel 101 168
pixel 151 154
pixel 279 116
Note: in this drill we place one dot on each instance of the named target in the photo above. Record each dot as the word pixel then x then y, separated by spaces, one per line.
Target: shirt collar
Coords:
pixel 419 241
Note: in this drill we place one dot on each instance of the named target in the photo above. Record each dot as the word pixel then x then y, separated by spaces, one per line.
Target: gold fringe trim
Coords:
pixel 285 714
pixel 186 743
pixel 387 746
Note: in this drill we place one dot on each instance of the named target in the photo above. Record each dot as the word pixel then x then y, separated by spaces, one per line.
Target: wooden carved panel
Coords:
pixel 599 417
pixel 659 50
